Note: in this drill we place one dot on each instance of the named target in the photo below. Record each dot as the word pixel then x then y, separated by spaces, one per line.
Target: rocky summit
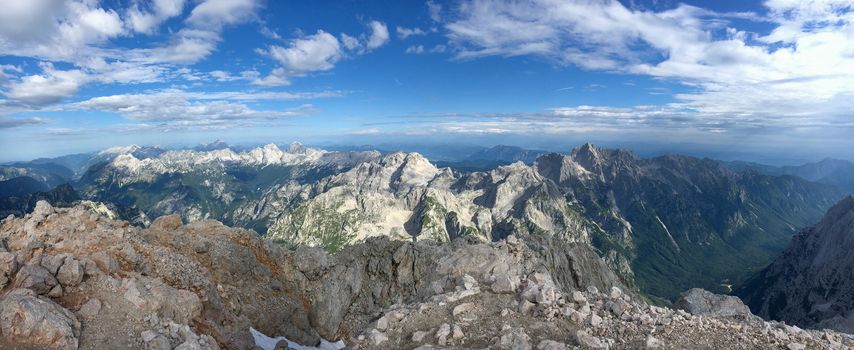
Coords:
pixel 74 278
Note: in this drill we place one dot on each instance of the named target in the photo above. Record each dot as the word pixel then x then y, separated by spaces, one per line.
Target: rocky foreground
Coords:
pixel 74 279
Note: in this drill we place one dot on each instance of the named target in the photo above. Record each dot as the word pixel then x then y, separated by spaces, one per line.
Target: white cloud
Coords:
pixel 731 74
pixel 379 35
pixel 146 20
pixel 435 10
pixel 317 52
pixel 52 85
pixel 180 107
pixel 416 49
pixel 213 14
pixel 351 43
pixel 80 32
pixel 404 33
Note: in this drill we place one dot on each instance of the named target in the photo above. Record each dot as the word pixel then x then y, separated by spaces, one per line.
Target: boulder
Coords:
pixel 31 321
pixel 698 301
pixel 71 272
pixel 35 277
pixel 167 222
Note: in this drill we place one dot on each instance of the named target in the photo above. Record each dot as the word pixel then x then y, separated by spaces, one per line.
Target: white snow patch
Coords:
pixel 268 343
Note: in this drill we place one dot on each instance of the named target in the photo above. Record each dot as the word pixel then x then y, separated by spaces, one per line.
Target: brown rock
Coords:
pixel 34 322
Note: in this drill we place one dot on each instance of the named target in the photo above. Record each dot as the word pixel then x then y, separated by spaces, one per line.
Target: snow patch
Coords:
pixel 269 343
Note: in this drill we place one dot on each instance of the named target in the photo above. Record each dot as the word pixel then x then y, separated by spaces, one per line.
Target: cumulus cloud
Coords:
pixel 800 68
pixel 79 32
pixel 317 52
pixel 52 85
pixel 379 35
pixel 145 19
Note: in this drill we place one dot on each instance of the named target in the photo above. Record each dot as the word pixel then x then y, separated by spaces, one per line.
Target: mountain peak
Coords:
pixel 121 149
pixel 213 146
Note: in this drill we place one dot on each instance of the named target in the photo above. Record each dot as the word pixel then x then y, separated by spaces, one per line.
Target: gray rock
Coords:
pixel 503 284
pixel 71 272
pixel 443 333
pixel 587 340
pixel 697 301
pixel 653 343
pixel 514 339
pixel 36 278
pixel 38 323
pixel 43 209
pixel 8 267
pixel 155 341
pixel 106 262
pixel 52 262
pixel 550 345
pixel 90 309
pixel 419 336
pixel 376 337
pixel 55 292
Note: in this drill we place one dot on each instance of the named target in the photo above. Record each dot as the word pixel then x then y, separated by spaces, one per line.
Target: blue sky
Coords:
pixel 773 78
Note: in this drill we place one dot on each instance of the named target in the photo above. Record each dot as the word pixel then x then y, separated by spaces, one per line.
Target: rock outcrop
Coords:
pixel 810 283
pixel 697 301
pixel 105 284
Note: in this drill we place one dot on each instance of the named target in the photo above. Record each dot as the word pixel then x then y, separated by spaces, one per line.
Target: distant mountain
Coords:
pixel 20 186
pixel 213 146
pixel 810 283
pixel 491 158
pixel 222 184
pixel 18 205
pixel 48 174
pixel 667 223
pixel 674 222
pixel 509 154
pixel 836 172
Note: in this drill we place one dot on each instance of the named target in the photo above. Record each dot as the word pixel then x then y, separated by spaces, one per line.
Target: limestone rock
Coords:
pixel 90 309
pixel 8 267
pixel 35 277
pixel 550 345
pixel 514 339
pixel 585 339
pixel 701 302
pixel 29 320
pixel 71 272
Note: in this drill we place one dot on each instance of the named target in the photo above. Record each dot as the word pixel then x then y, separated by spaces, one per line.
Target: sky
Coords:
pixel 772 79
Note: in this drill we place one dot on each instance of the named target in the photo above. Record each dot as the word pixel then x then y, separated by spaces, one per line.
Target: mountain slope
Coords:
pixel 670 223
pixel 810 283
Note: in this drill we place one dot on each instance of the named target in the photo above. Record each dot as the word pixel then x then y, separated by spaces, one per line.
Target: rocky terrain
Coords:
pixel 810 284
pixel 75 279
pixel 665 224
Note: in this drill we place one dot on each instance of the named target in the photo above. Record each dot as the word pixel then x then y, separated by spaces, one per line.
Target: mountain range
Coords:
pixel 665 224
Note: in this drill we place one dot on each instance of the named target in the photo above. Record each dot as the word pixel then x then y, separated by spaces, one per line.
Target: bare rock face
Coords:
pixel 810 283
pixel 697 301
pixel 29 320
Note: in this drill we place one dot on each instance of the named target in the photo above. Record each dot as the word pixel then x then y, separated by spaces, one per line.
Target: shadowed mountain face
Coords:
pixel 810 283
pixel 667 223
